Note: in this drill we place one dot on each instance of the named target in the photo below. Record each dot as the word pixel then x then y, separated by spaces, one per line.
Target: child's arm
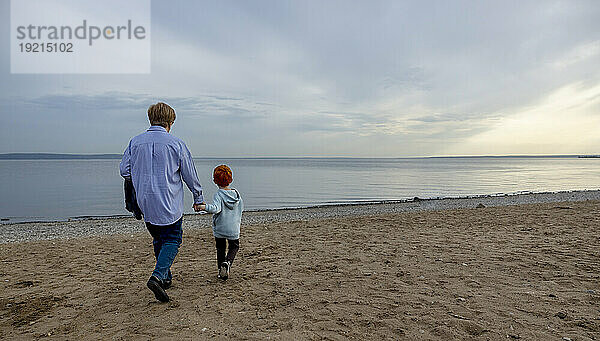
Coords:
pixel 215 207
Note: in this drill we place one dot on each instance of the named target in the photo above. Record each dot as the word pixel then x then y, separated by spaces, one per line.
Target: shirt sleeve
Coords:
pixel 125 165
pixel 216 205
pixel 189 175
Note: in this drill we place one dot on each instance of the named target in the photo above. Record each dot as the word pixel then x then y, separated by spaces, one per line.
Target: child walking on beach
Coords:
pixel 227 207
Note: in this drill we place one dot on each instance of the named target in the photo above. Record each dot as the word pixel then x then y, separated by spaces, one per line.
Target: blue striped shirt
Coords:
pixel 157 162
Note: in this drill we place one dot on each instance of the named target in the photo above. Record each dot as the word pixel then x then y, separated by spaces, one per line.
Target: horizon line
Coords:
pixel 34 155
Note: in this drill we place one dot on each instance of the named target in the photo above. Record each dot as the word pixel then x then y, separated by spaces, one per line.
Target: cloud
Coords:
pixel 346 122
pixel 201 105
pixel 332 78
pixel 578 54
pixel 103 101
pixel 563 122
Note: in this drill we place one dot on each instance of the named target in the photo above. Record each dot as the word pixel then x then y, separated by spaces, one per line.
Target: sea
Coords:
pixel 62 189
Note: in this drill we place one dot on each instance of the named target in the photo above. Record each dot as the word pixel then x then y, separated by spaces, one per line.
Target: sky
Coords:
pixel 332 78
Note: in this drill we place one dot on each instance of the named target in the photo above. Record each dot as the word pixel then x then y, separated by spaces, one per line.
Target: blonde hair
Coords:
pixel 161 114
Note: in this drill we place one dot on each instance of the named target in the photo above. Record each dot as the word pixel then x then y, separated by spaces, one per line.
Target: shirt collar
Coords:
pixel 157 128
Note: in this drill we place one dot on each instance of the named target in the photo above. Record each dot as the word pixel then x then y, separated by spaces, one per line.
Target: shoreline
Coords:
pixel 75 228
pixel 5 222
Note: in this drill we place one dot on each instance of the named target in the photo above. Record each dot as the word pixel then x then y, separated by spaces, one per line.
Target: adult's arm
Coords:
pixel 125 165
pixel 189 175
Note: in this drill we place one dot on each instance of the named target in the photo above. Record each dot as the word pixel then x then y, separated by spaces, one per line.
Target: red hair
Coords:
pixel 222 175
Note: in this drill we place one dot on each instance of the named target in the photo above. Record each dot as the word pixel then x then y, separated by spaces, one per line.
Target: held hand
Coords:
pixel 199 207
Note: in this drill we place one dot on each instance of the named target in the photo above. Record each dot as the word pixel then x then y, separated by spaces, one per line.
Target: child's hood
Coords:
pixel 230 197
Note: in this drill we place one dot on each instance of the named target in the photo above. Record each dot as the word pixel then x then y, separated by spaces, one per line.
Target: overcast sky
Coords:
pixel 333 78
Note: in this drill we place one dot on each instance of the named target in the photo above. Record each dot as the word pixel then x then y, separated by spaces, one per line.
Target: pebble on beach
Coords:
pixel 11 232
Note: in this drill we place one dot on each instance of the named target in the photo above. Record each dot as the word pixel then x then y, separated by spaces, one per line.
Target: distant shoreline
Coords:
pixel 66 156
pixel 57 156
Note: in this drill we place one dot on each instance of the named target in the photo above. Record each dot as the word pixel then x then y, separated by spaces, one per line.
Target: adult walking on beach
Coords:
pixel 156 162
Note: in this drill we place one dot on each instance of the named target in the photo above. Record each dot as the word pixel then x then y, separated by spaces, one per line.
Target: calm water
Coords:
pixel 59 189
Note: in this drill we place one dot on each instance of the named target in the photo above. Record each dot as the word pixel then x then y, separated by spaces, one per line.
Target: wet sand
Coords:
pixel 529 272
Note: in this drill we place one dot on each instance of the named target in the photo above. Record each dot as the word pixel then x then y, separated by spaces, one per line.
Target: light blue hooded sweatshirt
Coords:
pixel 227 210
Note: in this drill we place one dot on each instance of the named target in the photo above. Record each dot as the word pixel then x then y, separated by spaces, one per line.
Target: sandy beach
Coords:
pixel 528 271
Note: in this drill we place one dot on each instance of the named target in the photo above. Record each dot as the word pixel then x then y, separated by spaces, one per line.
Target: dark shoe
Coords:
pixel 156 286
pixel 224 270
pixel 166 284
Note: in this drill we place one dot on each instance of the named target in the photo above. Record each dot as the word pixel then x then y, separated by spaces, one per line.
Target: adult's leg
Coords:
pixel 156 237
pixel 157 241
pixel 234 246
pixel 220 243
pixel 171 236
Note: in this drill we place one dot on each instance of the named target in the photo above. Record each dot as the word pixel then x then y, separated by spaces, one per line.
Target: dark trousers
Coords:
pixel 234 246
pixel 166 242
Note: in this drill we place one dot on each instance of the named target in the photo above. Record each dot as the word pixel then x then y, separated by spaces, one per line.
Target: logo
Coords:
pixel 78 36
pixel 85 32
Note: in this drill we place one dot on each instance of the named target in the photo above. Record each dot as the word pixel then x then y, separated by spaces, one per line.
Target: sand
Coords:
pixel 529 272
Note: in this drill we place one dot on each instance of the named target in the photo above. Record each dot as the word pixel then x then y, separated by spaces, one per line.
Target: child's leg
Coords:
pixel 220 244
pixel 234 246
